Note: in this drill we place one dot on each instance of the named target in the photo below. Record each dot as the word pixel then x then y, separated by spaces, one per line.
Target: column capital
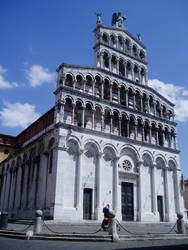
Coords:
pixel 139 164
pixel 100 154
pixel 116 158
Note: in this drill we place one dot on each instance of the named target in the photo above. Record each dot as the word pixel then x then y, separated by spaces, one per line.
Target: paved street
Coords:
pixel 10 244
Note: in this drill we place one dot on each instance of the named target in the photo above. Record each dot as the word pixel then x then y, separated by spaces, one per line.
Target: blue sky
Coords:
pixel 37 36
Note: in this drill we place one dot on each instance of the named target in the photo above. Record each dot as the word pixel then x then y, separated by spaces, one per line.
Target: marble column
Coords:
pixel 157 136
pixel 150 134
pixel 102 90
pixel 177 189
pixel 127 98
pixel 110 92
pixel 115 184
pixel 102 121
pixel 83 116
pixel 128 129
pixel 134 101
pixel 119 97
pixel 140 193
pixel 111 123
pixel 73 110
pixel 117 66
pixel 166 193
pixel 141 103
pixel 93 118
pixel 110 63
pixel 135 131
pixel 153 189
pixel 98 185
pixel 78 179
pixel 120 125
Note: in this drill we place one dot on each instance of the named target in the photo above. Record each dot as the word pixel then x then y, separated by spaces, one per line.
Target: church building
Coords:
pixel 110 138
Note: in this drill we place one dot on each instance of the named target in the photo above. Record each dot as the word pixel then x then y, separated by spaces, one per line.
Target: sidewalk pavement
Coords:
pixel 91 227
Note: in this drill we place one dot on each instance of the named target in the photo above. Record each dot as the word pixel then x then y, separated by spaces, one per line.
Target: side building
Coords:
pixel 110 138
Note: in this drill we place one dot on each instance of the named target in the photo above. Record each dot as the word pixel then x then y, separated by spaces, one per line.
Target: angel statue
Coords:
pixel 118 20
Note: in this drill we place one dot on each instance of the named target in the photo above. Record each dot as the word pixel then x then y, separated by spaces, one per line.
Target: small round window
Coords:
pixel 126 165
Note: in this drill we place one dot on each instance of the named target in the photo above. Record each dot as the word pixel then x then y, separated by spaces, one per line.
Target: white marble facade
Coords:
pixel 113 141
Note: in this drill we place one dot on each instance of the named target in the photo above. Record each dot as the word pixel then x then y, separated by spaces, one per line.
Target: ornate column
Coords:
pixel 146 77
pixel 93 88
pixel 163 136
pixel 78 179
pixel 120 125
pixel 10 186
pixel 148 105
pixel 101 59
pixel 135 131
pixel 110 92
pixel 139 75
pixel 128 130
pixel 170 139
pixel 150 134
pixel 84 86
pixel 119 96
pixel 111 123
pixel 102 90
pixel 115 184
pixel 153 189
pixel 166 193
pixel 141 103
pixel 127 97
pixel 110 63
pixel 83 116
pixel 139 167
pixel 175 142
pixel 61 110
pixel 117 66
pixel 73 110
pixel 154 103
pixel 16 187
pixel 177 190
pixel 157 136
pixel 22 176
pixel 134 101
pixel 102 121
pixel 132 73
pixel 93 118
pixel 98 185
pixel 143 133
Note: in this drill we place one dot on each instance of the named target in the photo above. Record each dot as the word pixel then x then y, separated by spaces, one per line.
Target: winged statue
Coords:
pixel 118 20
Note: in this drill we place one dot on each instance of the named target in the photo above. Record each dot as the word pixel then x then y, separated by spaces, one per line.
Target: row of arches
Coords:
pixel 118 93
pixel 24 179
pixel 120 43
pixel 112 121
pixel 125 68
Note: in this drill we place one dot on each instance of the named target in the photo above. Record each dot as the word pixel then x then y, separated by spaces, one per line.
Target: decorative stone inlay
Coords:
pixel 126 164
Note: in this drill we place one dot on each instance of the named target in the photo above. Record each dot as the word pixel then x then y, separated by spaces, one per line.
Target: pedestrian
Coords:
pixel 105 221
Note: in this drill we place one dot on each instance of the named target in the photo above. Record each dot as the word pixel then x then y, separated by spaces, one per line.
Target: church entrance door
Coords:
pixel 127 201
pixel 160 206
pixel 87 204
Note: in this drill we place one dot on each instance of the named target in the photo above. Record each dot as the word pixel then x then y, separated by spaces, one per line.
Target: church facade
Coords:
pixel 110 138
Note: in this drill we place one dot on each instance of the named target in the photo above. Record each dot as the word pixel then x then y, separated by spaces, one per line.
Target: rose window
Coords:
pixel 126 165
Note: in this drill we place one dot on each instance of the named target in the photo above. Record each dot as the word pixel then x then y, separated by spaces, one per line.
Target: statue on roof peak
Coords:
pixel 118 20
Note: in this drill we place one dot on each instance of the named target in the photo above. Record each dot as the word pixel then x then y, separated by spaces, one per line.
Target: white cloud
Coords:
pixel 175 94
pixel 18 114
pixel 3 83
pixel 37 75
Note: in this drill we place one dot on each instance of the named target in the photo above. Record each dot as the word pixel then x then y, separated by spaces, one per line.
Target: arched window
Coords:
pixel 69 81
